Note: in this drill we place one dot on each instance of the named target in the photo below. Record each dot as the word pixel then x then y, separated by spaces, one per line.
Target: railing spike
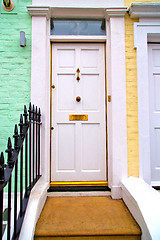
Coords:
pixel 39 115
pixel 9 143
pixel 25 115
pixel 30 111
pixel 21 118
pixel 16 136
pixel 16 129
pixel 36 114
pixel 9 151
pixel 33 113
pixel 21 125
pixel 2 159
pixel 25 109
pixel 2 168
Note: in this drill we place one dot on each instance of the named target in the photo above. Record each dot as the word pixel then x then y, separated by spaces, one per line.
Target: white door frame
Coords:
pixel 154 114
pixel 116 83
pixel 147 29
pixel 60 118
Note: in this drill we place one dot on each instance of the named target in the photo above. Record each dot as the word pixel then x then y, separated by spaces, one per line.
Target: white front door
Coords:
pixel 78 144
pixel 154 86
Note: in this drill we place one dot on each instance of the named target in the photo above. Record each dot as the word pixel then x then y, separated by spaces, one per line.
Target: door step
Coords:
pixel 87 218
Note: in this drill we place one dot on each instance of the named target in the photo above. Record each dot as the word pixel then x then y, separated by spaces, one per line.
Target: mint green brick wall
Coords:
pixel 15 67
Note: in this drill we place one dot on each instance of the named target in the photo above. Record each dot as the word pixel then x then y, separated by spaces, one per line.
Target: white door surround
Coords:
pixel 41 12
pixel 146 30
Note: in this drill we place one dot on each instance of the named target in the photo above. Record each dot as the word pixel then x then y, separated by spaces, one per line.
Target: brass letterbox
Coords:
pixel 78 117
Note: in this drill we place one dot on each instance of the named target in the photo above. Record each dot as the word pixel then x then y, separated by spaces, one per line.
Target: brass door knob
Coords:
pixel 78 99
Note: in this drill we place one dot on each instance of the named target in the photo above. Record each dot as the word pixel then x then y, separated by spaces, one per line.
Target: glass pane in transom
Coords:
pixel 78 27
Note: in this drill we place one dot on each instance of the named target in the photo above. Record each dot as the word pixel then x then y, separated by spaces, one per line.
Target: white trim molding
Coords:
pixel 39 11
pixel 116 76
pixel 116 109
pixel 63 12
pixel 144 10
pixel 116 12
pixel 144 31
pixel 77 12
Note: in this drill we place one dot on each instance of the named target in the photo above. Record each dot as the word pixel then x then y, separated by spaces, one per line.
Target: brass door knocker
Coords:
pixel 78 71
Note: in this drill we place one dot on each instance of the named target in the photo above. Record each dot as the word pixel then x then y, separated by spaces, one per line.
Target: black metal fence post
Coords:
pixel 2 168
pixel 21 166
pixel 1 214
pixel 33 143
pixel 1 193
pixel 15 199
pixel 9 209
pixel 30 139
pixel 9 150
pixel 39 142
pixel 16 179
pixel 36 121
pixel 26 150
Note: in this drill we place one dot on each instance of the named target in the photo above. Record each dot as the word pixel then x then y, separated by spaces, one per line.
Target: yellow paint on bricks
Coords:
pixel 131 98
pixel 129 2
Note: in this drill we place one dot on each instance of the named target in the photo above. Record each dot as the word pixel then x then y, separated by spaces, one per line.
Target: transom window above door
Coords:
pixel 78 27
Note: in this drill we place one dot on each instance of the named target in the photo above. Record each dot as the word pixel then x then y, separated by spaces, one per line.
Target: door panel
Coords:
pixel 91 97
pixel 78 147
pixel 91 148
pixel 63 60
pixel 154 85
pixel 66 147
pixel 89 58
pixel 65 98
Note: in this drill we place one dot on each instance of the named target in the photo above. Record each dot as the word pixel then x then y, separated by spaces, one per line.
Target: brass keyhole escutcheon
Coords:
pixel 78 99
pixel 78 71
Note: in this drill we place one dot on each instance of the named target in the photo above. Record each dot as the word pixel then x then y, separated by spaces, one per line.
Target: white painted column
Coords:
pixel 142 30
pixel 40 90
pixel 117 119
pixel 143 106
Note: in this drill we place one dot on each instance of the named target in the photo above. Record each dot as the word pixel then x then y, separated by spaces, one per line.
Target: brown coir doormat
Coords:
pixel 85 216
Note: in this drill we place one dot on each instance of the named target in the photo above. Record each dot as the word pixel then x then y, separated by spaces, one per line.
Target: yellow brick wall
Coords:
pixel 131 92
pixel 129 2
pixel 131 98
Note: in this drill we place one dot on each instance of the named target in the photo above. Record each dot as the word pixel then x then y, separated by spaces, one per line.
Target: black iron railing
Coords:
pixel 21 172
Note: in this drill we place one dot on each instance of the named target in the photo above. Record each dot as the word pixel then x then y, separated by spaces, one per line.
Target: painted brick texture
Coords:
pixel 15 68
pixel 129 2
pixel 131 98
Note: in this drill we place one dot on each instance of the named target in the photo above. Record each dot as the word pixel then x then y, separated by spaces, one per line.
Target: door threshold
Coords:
pixel 78 183
pixel 78 186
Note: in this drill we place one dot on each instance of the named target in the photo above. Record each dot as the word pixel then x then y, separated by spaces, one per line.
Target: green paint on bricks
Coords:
pixel 15 68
